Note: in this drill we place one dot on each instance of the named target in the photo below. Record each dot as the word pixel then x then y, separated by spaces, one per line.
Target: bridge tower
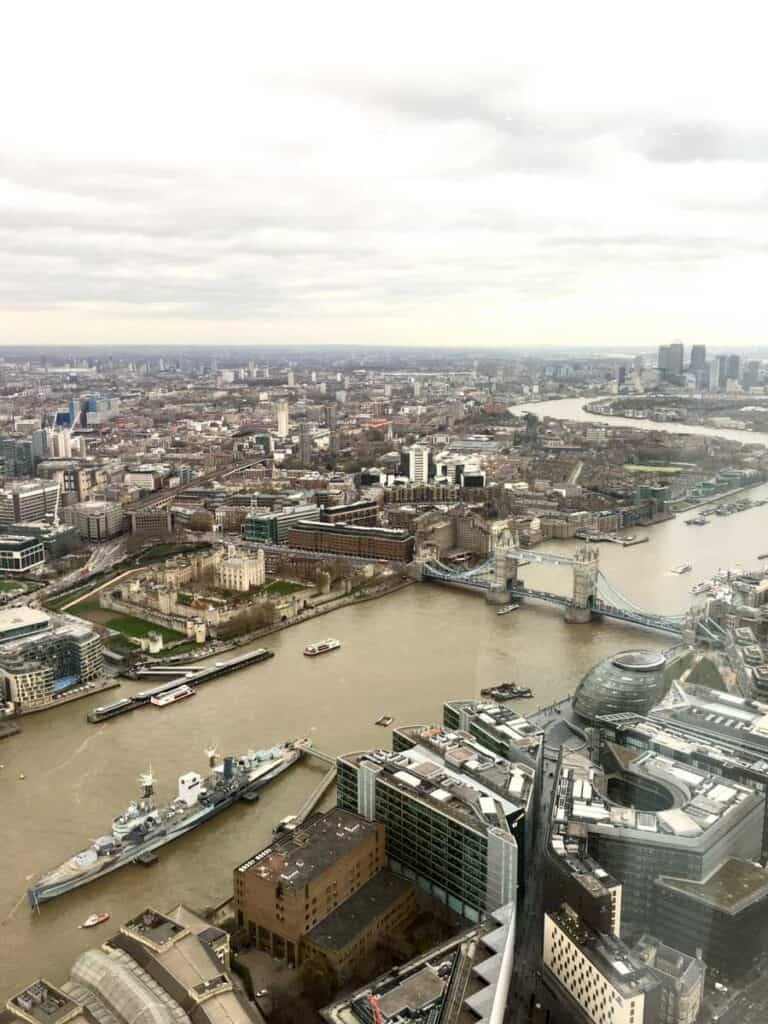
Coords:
pixel 585 570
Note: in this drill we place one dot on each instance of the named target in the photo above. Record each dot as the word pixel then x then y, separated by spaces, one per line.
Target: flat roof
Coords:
pixel 21 617
pixel 297 857
pixel 730 888
pixel 355 914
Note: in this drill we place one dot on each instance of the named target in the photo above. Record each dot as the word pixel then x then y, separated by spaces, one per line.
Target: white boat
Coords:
pixel 507 609
pixel 701 588
pixel 312 650
pixel 93 920
pixel 162 700
pixel 680 569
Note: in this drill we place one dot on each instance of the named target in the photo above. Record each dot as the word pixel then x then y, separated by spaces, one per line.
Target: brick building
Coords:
pixel 353 541
pixel 321 875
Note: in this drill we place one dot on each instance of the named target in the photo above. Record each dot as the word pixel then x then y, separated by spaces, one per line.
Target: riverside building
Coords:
pixel 445 830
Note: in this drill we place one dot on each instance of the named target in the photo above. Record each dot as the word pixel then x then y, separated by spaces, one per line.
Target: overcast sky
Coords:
pixel 390 173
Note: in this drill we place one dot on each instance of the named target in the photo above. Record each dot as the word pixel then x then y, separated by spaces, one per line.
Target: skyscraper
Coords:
pixel 698 358
pixel 733 368
pixel 305 444
pixel 282 419
pixel 418 464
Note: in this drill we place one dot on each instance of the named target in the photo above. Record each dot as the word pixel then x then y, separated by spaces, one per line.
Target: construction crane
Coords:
pixel 375 1009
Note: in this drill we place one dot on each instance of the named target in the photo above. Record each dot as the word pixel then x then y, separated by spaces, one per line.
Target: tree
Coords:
pixel 319 981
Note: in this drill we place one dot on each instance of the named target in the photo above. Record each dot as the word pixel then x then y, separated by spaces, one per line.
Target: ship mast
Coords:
pixel 147 780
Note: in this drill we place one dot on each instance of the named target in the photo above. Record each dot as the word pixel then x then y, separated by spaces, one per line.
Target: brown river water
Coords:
pixel 401 655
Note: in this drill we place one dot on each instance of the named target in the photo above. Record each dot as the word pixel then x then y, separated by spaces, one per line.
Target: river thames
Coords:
pixel 401 655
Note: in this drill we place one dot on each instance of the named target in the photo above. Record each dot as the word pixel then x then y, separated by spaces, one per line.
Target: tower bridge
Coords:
pixel 593 595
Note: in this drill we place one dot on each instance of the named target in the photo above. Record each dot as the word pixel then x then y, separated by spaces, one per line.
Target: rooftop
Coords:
pixel 22 617
pixel 297 857
pixel 627 973
pixel 41 1003
pixel 349 919
pixel 734 885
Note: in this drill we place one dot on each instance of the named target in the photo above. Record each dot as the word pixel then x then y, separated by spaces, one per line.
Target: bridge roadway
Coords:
pixel 478 582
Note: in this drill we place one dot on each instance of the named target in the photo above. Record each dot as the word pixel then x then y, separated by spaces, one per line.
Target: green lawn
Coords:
pixel 129 626
pixel 12 585
pixel 651 469
pixel 281 587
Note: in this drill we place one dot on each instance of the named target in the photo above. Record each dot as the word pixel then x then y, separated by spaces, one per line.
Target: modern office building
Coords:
pixel 59 661
pixel 273 527
pixel 28 500
pixel 718 373
pixel 714 914
pixel 496 727
pixel 18 622
pixel 630 681
pixel 642 815
pixel 670 359
pixel 698 358
pixel 76 479
pixel 445 830
pixel 96 521
pixel 359 513
pixel 19 554
pixel 733 368
pixel 375 542
pixel 418 463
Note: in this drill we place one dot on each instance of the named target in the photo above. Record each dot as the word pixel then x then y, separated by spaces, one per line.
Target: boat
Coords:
pixel 764 555
pixel 385 720
pixel 145 825
pixel 507 609
pixel 680 569
pixel 312 650
pixel 506 691
pixel 162 700
pixel 701 588
pixel 93 920
pixel 697 521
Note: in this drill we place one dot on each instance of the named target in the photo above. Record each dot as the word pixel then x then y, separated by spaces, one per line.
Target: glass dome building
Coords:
pixel 630 681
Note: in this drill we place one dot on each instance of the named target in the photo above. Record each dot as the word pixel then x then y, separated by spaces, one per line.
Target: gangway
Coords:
pixel 316 796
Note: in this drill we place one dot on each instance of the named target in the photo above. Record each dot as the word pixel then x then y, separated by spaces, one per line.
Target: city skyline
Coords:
pixel 280 181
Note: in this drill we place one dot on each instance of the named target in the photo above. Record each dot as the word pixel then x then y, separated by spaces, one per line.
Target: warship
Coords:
pixel 146 825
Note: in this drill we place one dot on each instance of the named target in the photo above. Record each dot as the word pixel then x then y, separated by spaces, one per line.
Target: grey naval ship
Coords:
pixel 145 826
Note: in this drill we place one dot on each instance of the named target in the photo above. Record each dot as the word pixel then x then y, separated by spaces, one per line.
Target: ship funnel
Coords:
pixel 211 753
pixel 228 768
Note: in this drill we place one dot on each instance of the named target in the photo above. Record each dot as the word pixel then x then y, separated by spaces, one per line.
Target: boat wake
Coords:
pixel 75 753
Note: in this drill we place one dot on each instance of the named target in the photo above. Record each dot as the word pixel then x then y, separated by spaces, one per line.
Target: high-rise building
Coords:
pixel 282 419
pixel 24 501
pixel 698 358
pixel 95 520
pixel 450 832
pixel 670 359
pixel 733 368
pixel 718 368
pixel 305 444
pixel 418 464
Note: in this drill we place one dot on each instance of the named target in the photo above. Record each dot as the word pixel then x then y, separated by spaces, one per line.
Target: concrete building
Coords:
pixel 241 572
pixel 18 622
pixel 715 914
pixel 356 541
pixel 273 528
pixel 418 464
pixel 682 979
pixel 96 520
pixel 282 419
pixel 291 896
pixel 496 727
pixel 28 500
pixel 37 672
pixel 164 969
pixel 445 830
pixel 596 974
pixel 19 554
pixel 359 513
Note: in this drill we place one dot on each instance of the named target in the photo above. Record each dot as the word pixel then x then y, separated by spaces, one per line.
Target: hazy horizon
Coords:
pixel 569 178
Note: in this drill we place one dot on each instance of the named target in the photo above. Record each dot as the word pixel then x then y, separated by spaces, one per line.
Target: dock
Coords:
pixel 197 677
pixel 611 538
